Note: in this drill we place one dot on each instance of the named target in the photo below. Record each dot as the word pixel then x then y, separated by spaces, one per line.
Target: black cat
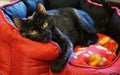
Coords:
pixel 67 26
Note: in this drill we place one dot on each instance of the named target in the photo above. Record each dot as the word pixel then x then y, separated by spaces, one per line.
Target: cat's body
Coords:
pixel 66 26
pixel 75 24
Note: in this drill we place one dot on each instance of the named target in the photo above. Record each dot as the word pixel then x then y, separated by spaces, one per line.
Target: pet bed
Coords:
pixel 21 56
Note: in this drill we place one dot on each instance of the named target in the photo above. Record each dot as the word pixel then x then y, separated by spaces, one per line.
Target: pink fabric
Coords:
pixel 78 64
pixel 94 55
pixel 10 3
pixel 77 69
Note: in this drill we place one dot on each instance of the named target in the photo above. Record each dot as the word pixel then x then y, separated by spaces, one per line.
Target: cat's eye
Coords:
pixel 33 32
pixel 45 25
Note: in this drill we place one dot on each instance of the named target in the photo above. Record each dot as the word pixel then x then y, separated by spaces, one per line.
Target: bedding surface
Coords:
pixel 21 56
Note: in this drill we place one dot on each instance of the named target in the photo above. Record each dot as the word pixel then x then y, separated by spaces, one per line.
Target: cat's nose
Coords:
pixel 43 33
pixel 48 33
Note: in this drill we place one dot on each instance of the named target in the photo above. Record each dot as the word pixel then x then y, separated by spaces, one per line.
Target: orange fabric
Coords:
pixel 21 56
pixel 108 42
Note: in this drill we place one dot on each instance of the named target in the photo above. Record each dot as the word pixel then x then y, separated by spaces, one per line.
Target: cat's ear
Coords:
pixel 18 22
pixel 40 9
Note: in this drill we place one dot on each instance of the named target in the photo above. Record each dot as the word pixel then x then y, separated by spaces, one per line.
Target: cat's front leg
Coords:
pixel 59 64
pixel 66 51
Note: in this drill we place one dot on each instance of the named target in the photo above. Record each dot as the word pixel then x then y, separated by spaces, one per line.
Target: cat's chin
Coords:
pixel 46 40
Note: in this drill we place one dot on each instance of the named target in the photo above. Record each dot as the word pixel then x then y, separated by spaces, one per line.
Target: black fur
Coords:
pixel 67 26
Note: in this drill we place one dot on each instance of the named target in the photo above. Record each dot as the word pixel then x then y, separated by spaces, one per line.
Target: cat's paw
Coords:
pixel 58 65
pixel 92 39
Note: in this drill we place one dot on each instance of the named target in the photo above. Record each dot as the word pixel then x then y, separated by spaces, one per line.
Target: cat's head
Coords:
pixel 36 27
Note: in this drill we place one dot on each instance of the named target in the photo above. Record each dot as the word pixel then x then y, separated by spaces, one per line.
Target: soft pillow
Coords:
pixel 16 10
pixel 27 56
pixel 97 55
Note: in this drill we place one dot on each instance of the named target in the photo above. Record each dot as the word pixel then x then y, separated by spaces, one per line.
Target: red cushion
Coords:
pixel 22 56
